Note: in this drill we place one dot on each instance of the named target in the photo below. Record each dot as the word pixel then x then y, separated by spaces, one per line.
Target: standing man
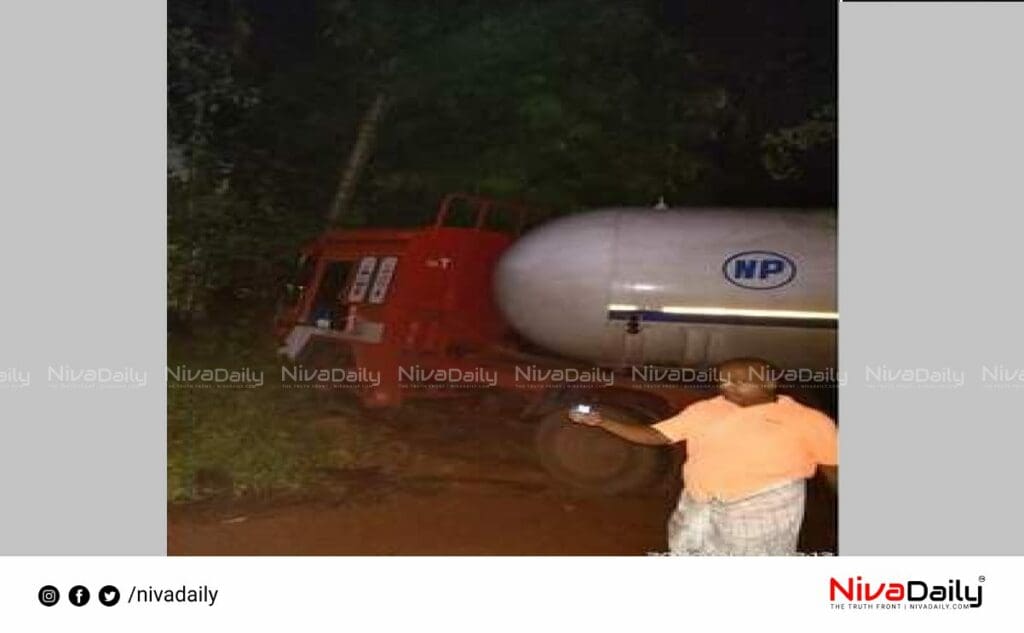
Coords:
pixel 749 452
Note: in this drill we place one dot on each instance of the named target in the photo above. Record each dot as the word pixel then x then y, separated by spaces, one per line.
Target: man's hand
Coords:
pixel 638 434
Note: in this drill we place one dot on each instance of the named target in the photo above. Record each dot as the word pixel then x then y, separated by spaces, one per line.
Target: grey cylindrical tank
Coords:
pixel 680 287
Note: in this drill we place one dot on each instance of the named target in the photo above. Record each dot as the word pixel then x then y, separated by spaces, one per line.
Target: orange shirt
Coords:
pixel 733 451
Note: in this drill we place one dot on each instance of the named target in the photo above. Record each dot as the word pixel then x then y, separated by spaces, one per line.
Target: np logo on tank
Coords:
pixel 759 270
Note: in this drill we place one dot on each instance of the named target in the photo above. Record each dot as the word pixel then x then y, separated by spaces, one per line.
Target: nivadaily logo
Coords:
pixel 908 594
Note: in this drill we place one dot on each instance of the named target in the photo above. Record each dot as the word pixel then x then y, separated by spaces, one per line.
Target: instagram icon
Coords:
pixel 49 596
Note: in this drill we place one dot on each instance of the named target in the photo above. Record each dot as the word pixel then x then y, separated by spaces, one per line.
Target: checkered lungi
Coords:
pixel 766 523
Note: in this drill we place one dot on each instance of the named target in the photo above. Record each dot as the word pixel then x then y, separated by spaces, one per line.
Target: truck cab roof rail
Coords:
pixel 482 210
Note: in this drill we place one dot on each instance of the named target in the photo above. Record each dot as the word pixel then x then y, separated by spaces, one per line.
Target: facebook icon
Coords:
pixel 79 595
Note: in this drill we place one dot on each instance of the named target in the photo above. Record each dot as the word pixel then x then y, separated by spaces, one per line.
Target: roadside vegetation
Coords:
pixel 240 439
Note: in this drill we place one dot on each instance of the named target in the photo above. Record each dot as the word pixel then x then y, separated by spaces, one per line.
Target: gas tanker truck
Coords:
pixel 623 309
pixel 678 287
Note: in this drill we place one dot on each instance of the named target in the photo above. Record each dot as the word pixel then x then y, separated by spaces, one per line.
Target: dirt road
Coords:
pixel 444 483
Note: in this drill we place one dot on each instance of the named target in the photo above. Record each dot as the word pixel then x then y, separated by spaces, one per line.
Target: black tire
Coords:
pixel 593 461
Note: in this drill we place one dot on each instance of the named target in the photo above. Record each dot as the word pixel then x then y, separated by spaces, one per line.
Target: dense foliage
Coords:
pixel 566 104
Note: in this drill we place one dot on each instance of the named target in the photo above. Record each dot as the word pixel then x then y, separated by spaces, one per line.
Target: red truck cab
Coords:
pixel 379 299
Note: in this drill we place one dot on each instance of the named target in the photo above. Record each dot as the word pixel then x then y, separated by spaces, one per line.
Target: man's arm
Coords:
pixel 831 474
pixel 634 433
pixel 822 441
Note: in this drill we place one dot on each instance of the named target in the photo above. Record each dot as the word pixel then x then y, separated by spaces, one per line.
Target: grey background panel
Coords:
pixel 929 277
pixel 82 272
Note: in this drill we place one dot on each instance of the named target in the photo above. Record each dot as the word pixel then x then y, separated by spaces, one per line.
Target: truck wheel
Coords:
pixel 593 461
